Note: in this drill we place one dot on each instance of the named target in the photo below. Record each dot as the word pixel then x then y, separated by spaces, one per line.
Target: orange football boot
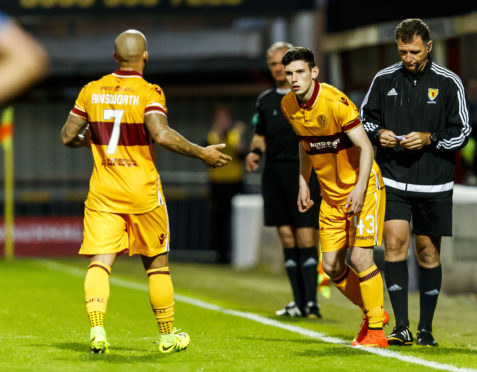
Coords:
pixel 364 328
pixel 374 338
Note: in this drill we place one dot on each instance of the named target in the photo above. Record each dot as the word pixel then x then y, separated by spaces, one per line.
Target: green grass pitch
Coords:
pixel 44 327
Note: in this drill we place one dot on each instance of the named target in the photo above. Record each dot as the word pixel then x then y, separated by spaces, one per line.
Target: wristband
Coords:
pixel 257 151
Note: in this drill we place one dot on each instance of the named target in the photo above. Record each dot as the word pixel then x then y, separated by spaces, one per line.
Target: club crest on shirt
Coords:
pixel 432 93
pixel 322 121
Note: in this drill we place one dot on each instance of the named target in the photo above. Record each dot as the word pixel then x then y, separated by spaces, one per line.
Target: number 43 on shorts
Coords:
pixel 365 225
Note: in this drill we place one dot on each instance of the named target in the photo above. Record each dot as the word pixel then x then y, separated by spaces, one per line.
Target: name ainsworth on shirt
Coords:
pixel 120 99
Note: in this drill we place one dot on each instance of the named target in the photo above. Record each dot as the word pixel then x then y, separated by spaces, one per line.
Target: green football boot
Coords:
pixel 98 342
pixel 175 341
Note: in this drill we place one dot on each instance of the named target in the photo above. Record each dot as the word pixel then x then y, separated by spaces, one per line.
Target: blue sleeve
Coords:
pixel 3 20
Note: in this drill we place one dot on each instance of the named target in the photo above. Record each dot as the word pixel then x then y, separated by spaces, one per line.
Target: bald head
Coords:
pixel 130 46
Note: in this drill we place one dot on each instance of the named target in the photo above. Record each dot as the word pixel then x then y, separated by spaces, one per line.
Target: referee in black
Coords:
pixel 417 114
pixel 275 140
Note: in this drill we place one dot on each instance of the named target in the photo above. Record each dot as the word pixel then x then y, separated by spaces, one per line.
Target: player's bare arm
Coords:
pixel 304 201
pixel 416 140
pixel 355 199
pixel 173 141
pixel 387 138
pixel 70 133
pixel 253 157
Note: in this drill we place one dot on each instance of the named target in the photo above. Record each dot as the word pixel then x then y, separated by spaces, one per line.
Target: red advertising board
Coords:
pixel 45 236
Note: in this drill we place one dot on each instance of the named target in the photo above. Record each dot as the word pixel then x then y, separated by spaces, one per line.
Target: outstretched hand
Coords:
pixel 213 157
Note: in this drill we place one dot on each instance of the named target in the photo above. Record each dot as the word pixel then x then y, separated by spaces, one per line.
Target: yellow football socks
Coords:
pixel 161 295
pixel 371 285
pixel 348 284
pixel 96 318
pixel 96 290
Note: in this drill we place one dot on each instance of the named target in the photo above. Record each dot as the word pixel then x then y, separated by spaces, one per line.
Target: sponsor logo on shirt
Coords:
pixel 329 144
pixel 117 88
pixel 113 162
pixel 325 144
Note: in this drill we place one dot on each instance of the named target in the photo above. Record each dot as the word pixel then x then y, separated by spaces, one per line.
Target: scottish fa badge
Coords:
pixel 432 93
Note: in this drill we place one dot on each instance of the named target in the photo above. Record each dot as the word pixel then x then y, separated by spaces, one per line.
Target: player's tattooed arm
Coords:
pixel 75 132
pixel 170 139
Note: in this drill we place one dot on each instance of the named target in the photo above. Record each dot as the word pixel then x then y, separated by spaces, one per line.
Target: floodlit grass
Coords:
pixel 44 327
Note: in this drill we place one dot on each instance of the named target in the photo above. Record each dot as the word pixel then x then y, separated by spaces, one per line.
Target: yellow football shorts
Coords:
pixel 339 230
pixel 146 234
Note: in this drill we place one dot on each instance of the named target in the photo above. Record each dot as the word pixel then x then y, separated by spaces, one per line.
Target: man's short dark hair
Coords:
pixel 407 29
pixel 299 54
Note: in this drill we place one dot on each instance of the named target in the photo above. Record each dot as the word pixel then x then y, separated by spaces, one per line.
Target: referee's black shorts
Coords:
pixel 430 215
pixel 280 194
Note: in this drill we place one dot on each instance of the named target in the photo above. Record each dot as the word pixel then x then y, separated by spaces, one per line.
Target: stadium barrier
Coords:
pixel 459 252
pixel 253 243
pixel 50 228
pixel 247 223
pixel 45 236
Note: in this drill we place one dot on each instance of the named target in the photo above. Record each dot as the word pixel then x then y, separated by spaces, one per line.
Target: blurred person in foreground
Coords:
pixel 417 115
pixel 334 144
pixel 22 60
pixel 275 140
pixel 125 209
pixel 226 182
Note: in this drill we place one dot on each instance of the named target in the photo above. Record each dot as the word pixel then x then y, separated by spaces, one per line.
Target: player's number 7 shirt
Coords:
pixel 124 178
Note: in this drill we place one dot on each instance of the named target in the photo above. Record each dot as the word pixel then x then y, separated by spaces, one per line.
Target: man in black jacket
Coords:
pixel 417 114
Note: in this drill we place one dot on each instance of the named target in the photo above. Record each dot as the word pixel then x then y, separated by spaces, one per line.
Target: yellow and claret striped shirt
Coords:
pixel 321 126
pixel 124 178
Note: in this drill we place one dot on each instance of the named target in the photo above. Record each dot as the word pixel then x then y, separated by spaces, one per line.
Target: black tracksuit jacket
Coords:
pixel 432 101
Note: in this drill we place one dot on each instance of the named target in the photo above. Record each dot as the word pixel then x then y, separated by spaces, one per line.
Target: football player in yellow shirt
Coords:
pixel 334 143
pixel 120 116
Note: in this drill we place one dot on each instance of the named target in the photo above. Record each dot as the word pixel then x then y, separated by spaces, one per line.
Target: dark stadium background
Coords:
pixel 202 52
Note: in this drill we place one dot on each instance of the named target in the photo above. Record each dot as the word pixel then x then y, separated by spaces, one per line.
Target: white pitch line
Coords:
pixel 71 270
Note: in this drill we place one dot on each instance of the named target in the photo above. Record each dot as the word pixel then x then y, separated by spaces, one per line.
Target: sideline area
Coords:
pixel 71 270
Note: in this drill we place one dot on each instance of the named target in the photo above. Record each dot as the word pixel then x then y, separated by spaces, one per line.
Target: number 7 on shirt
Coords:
pixel 108 114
